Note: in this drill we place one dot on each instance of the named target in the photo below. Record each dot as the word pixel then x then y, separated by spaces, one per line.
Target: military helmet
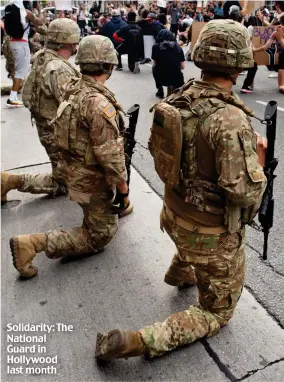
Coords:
pixel 223 46
pixel 63 31
pixel 96 50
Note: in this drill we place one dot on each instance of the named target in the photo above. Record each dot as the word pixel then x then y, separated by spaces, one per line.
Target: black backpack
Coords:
pixel 12 21
pixel 135 36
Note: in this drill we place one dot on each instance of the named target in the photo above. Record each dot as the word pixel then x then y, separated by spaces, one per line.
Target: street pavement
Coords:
pixel 123 286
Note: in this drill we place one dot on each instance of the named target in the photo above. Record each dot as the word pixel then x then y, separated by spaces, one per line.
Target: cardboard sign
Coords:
pixel 63 5
pixel 149 41
pixel 195 31
pixel 260 37
pixel 162 3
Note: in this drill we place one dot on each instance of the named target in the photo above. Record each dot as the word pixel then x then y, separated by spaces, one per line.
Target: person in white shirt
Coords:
pixel 82 19
pixel 21 52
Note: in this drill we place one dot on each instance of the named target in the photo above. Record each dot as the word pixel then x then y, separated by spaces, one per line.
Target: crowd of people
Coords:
pixel 136 31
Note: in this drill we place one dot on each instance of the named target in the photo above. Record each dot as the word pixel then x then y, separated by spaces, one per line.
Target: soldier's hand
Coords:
pixel 261 149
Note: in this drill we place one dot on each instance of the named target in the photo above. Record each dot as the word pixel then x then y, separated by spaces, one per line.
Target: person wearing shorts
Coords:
pixel 278 37
pixel 21 54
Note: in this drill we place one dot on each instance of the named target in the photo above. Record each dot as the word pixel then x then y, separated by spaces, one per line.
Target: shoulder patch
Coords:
pixel 109 111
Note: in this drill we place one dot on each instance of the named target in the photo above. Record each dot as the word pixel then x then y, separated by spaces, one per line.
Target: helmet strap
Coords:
pixel 232 78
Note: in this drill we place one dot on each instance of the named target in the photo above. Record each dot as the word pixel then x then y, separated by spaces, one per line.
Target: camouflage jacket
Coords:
pixel 52 73
pixel 228 181
pixel 95 154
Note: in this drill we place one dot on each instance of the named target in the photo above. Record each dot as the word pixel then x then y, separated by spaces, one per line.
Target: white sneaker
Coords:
pixel 243 73
pixel 273 75
pixel 14 103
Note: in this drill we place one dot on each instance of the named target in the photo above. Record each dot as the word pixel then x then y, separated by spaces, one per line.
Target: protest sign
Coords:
pixel 63 5
pixel 259 38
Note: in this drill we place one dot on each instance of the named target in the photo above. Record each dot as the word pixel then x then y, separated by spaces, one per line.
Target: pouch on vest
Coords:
pixel 65 127
pixel 27 91
pixel 165 142
pixel 62 125
pixel 31 88
pixel 31 92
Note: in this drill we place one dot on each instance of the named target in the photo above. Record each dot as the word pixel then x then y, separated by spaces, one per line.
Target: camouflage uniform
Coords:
pixel 230 171
pixel 94 164
pixel 55 73
pixel 217 195
pixel 218 259
pixel 52 74
pixel 42 93
pixel 87 131
pixel 10 64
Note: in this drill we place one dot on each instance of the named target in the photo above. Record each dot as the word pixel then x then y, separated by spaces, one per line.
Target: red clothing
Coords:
pixel 117 38
pixel 18 39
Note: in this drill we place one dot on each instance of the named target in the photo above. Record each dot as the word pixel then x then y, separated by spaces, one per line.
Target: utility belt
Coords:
pixel 175 201
pixel 193 226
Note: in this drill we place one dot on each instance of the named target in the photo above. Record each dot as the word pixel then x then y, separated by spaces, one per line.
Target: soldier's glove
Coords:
pixel 120 203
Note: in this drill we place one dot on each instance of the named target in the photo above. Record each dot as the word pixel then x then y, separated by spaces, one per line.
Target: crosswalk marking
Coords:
pixel 265 103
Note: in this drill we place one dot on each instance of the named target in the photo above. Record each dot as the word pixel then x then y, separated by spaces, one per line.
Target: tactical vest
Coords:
pixel 32 90
pixel 71 129
pixel 191 180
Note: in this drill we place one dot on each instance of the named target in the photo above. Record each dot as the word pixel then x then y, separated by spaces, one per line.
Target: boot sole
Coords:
pixel 14 245
pixel 114 345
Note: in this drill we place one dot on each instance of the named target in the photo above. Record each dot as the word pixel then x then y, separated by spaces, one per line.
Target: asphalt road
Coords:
pixel 264 279
pixel 81 294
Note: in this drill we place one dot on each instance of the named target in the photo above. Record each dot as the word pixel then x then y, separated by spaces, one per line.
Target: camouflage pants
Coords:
pixel 99 227
pixel 10 64
pixel 37 184
pixel 219 265
pixel 46 137
pixel 52 184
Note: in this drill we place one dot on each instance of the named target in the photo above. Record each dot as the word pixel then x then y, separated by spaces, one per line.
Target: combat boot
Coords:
pixel 8 182
pixel 180 274
pixel 24 248
pixel 127 211
pixel 119 344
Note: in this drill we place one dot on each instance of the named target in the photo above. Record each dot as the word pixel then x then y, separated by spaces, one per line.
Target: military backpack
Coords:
pixel 31 93
pixel 174 129
pixel 169 129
